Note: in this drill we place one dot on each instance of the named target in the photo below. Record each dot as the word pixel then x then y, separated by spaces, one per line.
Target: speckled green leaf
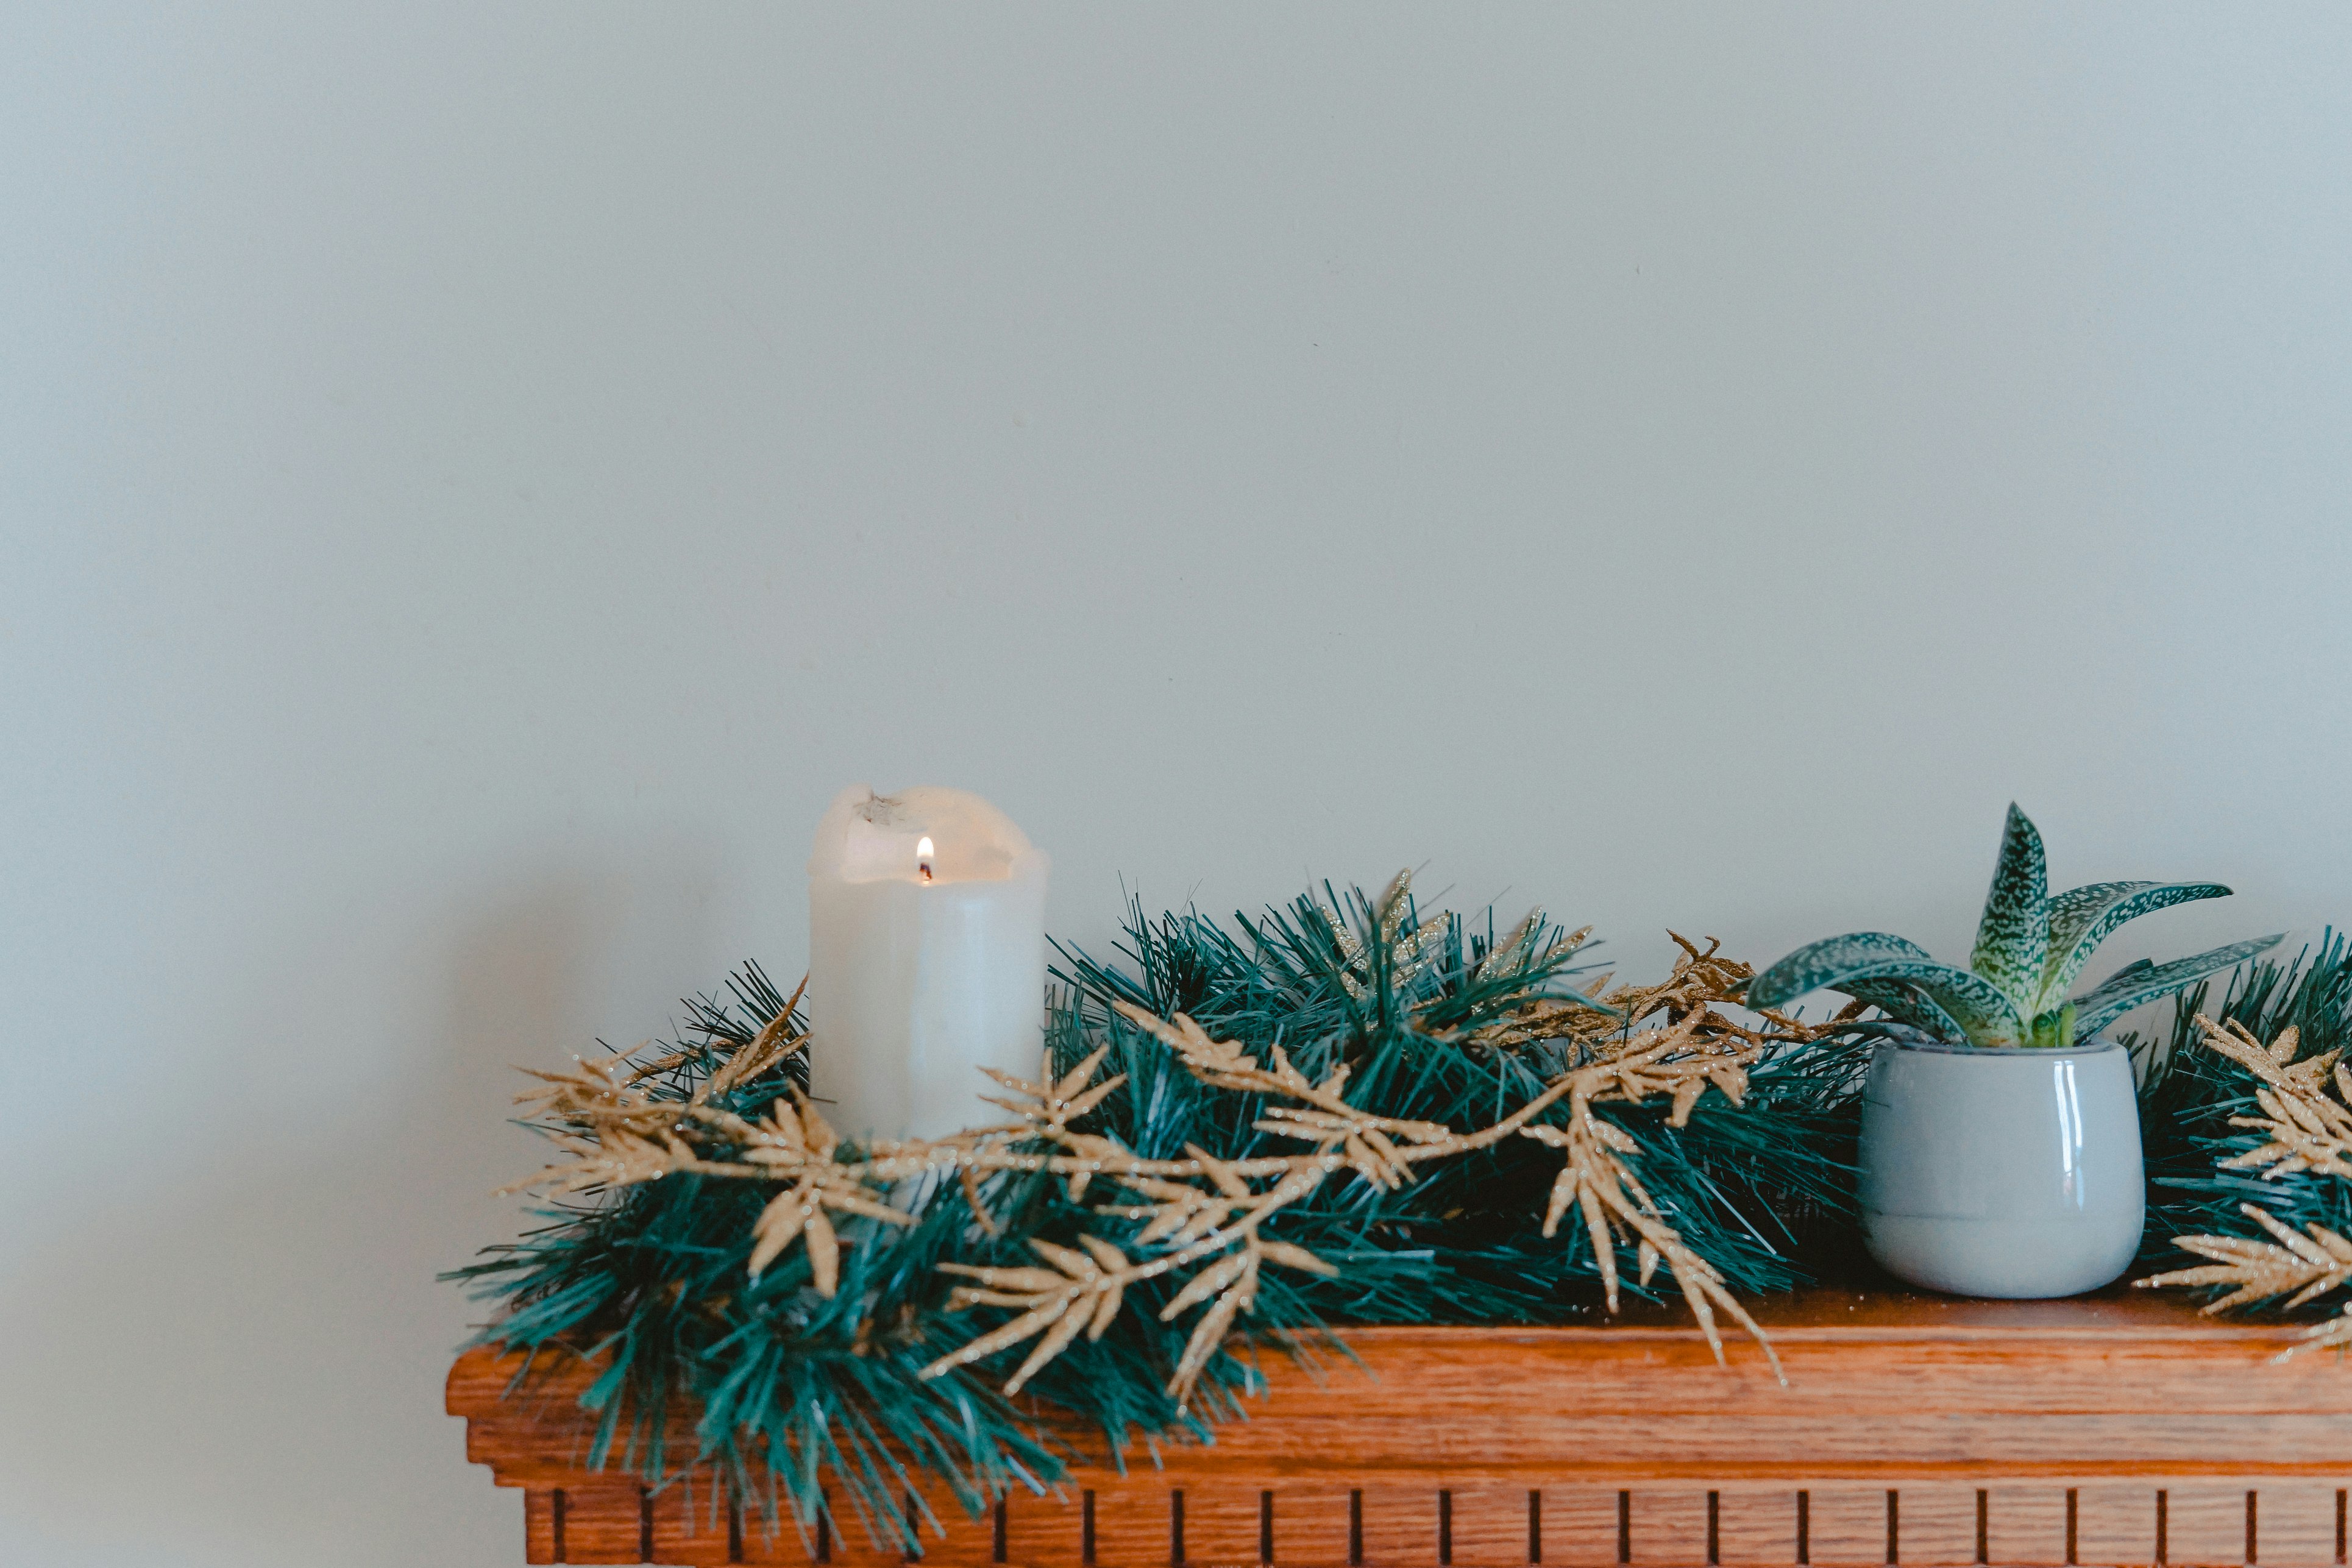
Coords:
pixel 1824 963
pixel 2083 918
pixel 2142 982
pixel 1906 1005
pixel 1984 1014
pixel 2013 937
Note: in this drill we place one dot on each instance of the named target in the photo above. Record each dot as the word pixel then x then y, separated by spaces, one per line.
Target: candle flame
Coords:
pixel 923 853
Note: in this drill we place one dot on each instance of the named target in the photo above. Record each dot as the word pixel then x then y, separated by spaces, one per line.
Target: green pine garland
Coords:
pixel 2190 1093
pixel 2272 1231
pixel 797 1385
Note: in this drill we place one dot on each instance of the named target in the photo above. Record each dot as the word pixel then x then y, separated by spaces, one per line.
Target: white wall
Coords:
pixel 473 482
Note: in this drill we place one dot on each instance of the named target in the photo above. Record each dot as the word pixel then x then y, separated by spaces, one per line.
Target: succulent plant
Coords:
pixel 2031 947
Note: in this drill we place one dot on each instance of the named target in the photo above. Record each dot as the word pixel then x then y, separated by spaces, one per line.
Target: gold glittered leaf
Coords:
pixel 825 1253
pixel 1066 1328
pixel 779 1225
pixel 1108 1256
pixel 1291 1257
pixel 1105 1311
pixel 1204 1284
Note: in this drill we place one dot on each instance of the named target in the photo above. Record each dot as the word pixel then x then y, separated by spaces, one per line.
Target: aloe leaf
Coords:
pixel 2144 982
pixel 2128 974
pixel 2083 918
pixel 2013 937
pixel 1906 1005
pixel 1819 964
pixel 1984 1014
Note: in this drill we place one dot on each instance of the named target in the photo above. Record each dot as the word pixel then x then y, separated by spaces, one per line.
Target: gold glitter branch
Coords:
pixel 1699 1048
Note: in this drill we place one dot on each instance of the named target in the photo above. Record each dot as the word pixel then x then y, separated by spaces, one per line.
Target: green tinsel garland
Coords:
pixel 794 1385
pixel 2267 1230
pixel 2190 1093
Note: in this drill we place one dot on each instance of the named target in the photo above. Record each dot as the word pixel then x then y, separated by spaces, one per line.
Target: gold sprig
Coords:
pixel 620 1133
pixel 2310 1129
pixel 776 1040
pixel 617 1133
pixel 795 1144
pixel 2336 1333
pixel 1365 1142
pixel 1410 951
pixel 2310 1266
pixel 1087 1292
pixel 1703 981
pixel 1701 1048
pixel 1684 1062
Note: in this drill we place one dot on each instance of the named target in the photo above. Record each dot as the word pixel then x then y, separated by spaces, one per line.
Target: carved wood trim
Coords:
pixel 2114 1430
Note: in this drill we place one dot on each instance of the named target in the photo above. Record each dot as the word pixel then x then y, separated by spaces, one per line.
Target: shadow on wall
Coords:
pixel 247 1367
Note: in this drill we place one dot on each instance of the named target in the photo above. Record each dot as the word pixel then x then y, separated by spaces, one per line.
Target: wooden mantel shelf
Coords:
pixel 2116 1429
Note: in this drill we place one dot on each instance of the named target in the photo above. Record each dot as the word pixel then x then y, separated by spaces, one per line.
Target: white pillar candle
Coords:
pixel 927 959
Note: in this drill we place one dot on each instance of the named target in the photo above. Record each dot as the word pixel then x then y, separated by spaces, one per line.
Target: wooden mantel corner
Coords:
pixel 2117 1429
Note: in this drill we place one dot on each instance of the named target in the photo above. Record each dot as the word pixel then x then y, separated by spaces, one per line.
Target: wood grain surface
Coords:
pixel 2116 1429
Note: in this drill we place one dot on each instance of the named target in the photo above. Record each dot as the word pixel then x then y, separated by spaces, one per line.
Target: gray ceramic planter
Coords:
pixel 2002 1173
